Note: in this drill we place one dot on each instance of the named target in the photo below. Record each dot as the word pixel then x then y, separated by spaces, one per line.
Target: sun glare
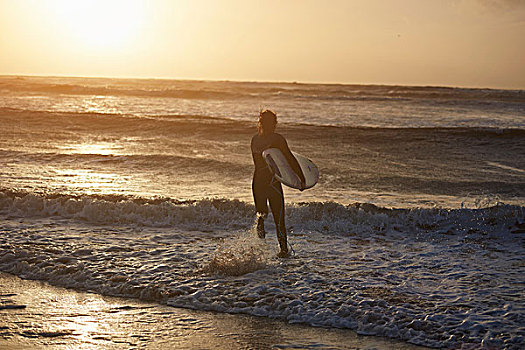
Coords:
pixel 100 24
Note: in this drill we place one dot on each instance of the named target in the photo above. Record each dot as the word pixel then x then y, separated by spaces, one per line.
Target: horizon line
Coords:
pixel 296 82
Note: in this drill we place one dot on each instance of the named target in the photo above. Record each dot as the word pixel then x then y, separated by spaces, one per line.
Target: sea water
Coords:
pixel 142 188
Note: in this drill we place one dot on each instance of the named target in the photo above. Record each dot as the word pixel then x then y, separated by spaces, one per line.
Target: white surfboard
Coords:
pixel 284 173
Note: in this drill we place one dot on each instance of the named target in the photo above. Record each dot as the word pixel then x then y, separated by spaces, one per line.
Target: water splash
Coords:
pixel 239 255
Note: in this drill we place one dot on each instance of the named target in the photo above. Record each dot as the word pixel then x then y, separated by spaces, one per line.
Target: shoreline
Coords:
pixel 34 314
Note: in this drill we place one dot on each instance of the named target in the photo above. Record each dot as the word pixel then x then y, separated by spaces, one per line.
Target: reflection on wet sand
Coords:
pixel 36 315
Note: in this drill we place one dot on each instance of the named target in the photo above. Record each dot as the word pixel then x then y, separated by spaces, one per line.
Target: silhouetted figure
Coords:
pixel 265 187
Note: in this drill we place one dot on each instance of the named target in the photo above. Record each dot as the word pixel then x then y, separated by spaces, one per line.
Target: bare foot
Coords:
pixel 284 254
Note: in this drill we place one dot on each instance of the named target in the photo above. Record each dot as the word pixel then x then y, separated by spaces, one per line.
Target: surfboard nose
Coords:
pixel 273 165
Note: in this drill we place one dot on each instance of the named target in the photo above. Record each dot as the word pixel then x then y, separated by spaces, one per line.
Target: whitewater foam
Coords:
pixel 225 214
pixel 375 270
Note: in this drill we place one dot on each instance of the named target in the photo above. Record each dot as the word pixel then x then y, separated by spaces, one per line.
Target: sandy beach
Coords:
pixel 37 315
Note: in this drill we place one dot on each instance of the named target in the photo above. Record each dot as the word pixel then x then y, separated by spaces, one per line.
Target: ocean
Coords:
pixel 142 189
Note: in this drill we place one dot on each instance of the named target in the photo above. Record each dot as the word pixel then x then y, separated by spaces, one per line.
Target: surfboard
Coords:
pixel 284 173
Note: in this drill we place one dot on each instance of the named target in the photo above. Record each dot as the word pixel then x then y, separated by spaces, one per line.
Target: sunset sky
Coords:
pixel 474 43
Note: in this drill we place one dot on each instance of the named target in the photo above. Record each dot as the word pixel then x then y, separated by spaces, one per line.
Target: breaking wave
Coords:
pixel 226 214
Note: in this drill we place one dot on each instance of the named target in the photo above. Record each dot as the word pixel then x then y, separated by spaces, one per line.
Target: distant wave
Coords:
pixel 73 89
pixel 226 214
pixel 140 161
pixel 163 121
pixel 243 90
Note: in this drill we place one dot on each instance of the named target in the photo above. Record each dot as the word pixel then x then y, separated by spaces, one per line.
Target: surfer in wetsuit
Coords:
pixel 265 187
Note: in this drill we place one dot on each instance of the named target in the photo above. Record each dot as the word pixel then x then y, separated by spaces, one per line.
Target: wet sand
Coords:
pixel 34 314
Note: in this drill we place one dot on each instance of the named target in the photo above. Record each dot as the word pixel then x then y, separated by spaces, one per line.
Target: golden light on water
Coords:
pixel 99 104
pixel 89 181
pixel 103 148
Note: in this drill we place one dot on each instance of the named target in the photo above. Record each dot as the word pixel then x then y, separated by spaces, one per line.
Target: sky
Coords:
pixel 468 43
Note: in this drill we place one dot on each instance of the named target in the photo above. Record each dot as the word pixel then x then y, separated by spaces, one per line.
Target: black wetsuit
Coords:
pixel 265 187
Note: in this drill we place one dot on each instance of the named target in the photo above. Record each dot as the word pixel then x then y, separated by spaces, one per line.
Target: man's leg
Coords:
pixel 261 206
pixel 276 198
